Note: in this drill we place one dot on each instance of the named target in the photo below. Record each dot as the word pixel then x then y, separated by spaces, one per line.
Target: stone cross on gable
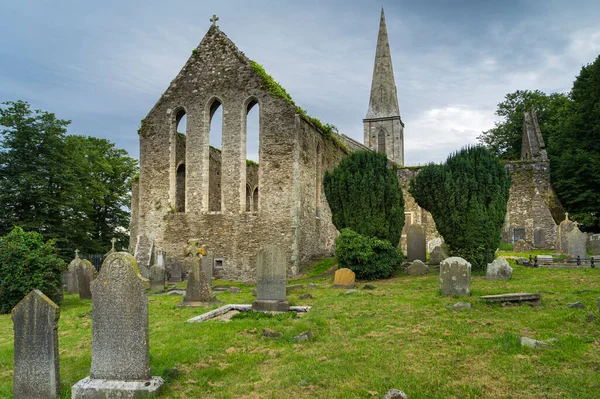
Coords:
pixel 214 20
pixel 113 241
pixel 76 253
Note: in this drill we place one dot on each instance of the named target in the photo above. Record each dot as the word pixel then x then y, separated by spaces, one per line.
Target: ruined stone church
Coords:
pixel 188 189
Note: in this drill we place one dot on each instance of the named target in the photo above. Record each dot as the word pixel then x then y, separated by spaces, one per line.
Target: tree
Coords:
pixel 364 195
pixel 505 138
pixel 26 263
pixel 574 151
pixel 72 189
pixel 467 199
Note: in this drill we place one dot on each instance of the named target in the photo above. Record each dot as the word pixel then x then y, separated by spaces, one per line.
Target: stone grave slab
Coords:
pixel 207 267
pixel 198 291
pixel 344 278
pixel 534 299
pixel 544 259
pixel 157 278
pixel 36 367
pixel 539 238
pixel 564 228
pixel 120 349
pixel 594 243
pixel 271 280
pixel 455 277
pixel 437 255
pixel 415 243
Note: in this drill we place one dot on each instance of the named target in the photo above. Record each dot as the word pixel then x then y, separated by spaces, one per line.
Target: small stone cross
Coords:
pixel 76 253
pixel 193 250
pixel 214 20
pixel 113 241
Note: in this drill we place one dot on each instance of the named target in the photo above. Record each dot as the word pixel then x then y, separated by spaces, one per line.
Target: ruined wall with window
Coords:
pixel 190 189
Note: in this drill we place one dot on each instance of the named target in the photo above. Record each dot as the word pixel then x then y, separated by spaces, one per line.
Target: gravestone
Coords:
pixel 415 243
pixel 175 273
pixel 438 255
pixel 539 238
pixel 271 279
pixel 499 269
pixel 157 278
pixel 519 234
pixel 161 259
pixel 455 277
pixel 594 242
pixel 417 268
pixel 433 243
pixel 564 228
pixel 120 351
pixel 344 278
pixel 85 275
pixel 36 369
pixel 198 291
pixel 207 267
pixel 522 246
pixel 577 244
pixel 74 266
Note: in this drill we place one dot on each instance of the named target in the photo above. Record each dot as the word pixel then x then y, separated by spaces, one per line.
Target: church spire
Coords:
pixel 384 98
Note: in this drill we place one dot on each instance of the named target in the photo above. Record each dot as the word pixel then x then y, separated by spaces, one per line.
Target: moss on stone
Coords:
pixel 250 162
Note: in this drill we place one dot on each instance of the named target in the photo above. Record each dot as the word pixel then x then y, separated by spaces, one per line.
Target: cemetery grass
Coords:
pixel 400 335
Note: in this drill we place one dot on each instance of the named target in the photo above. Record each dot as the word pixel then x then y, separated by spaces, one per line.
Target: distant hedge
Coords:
pixel 467 199
pixel 27 262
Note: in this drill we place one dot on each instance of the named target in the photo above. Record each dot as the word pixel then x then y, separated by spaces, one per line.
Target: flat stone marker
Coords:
pixel 344 278
pixel 271 280
pixel 415 243
pixel 577 244
pixel 534 299
pixel 198 291
pixel 417 268
pixel 455 277
pixel 175 273
pixel 499 269
pixel 36 369
pixel 120 349
pixel 544 259
pixel 85 275
pixel 157 278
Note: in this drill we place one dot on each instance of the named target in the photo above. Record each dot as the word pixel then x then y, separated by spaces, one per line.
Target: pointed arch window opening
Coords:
pixel 381 141
pixel 252 127
pixel 180 188
pixel 215 138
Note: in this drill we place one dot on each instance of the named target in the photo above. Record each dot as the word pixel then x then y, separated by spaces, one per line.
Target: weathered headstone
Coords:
pixel 198 291
pixel 207 267
pixel 576 244
pixel 344 278
pixel 522 246
pixel 415 243
pixel 499 269
pixel 161 259
pixel 417 268
pixel 175 273
pixel 455 277
pixel 85 275
pixel 433 243
pixel 271 280
pixel 36 370
pixel 120 351
pixel 438 254
pixel 157 278
pixel 74 266
pixel 539 238
pixel 564 228
pixel 594 243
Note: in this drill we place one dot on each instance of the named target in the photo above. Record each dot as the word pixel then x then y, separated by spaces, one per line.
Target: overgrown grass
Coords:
pixel 399 335
pixel 321 267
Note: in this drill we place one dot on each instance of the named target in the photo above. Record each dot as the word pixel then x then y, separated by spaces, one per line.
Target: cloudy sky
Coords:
pixel 103 64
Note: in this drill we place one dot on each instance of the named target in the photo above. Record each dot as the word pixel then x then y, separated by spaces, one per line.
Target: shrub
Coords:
pixel 368 257
pixel 26 262
pixel 364 195
pixel 467 198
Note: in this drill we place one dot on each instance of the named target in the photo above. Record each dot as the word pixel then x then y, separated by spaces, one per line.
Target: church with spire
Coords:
pixel 383 126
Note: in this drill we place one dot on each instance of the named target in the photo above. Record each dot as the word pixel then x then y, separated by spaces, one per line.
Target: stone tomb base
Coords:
pixel 223 310
pixel 270 306
pixel 90 388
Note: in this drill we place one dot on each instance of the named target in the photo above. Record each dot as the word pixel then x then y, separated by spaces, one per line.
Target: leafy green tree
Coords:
pixel 504 139
pixel 467 199
pixel 72 189
pixel 364 195
pixel 26 263
pixel 574 151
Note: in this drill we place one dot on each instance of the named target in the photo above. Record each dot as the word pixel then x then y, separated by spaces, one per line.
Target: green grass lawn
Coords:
pixel 400 335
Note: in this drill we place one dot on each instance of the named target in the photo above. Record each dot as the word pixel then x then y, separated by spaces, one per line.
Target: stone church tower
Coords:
pixel 383 127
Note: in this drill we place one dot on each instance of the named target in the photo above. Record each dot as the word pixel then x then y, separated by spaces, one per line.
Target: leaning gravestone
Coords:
pixel 344 278
pixel 120 350
pixel 175 273
pixel 539 238
pixel 74 266
pixel 415 243
pixel 271 279
pixel 36 369
pixel 455 277
pixel 499 269
pixel 577 244
pixel 157 278
pixel 417 268
pixel 85 274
